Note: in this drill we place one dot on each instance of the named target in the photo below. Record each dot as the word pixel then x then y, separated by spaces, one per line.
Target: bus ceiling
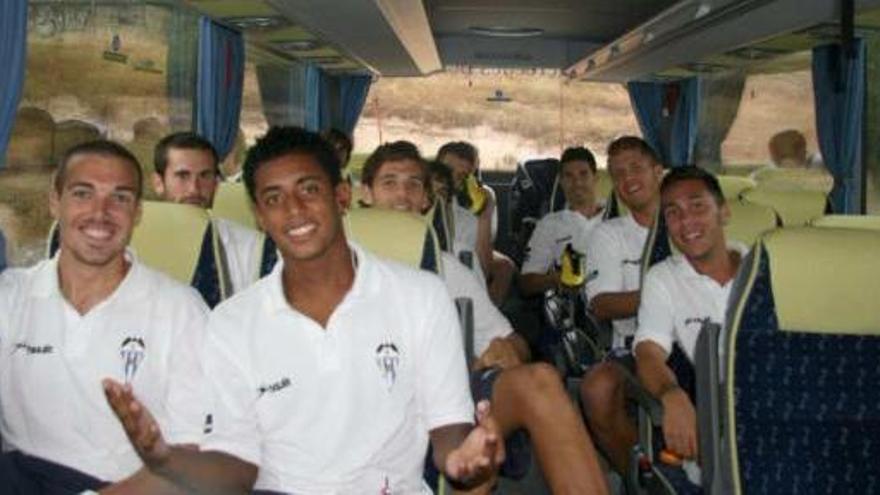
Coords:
pixel 600 40
pixel 705 36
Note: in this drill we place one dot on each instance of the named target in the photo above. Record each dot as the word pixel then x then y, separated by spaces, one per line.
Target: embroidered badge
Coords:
pixel 388 359
pixel 132 351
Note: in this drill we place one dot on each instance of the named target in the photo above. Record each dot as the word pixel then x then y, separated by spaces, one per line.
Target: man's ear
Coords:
pixel 342 191
pixel 158 184
pixel 366 194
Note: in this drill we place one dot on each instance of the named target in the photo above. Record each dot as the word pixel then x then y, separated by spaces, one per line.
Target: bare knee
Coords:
pixel 533 384
pixel 599 388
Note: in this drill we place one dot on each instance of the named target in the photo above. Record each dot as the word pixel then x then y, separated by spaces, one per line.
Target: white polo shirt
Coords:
pixel 465 226
pixel 614 260
pixel 489 323
pixel 676 301
pixel 556 230
pixel 346 409
pixel 242 248
pixel 149 331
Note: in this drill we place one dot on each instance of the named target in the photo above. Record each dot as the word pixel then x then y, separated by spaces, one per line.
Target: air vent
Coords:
pixel 297 45
pixel 255 22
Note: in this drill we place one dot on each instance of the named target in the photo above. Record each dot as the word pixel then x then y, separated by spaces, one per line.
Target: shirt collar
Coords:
pixel 46 283
pixel 365 281
pixel 684 266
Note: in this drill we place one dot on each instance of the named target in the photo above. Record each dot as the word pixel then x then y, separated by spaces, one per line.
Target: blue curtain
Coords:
pixel 647 101
pixel 839 89
pixel 13 42
pixel 673 136
pixel 683 135
pixel 352 94
pixel 316 99
pixel 219 86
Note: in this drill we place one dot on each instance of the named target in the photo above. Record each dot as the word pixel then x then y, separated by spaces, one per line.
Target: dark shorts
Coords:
pixel 516 445
pixel 21 474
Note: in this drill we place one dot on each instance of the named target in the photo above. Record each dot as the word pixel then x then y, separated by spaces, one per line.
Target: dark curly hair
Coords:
pixel 283 141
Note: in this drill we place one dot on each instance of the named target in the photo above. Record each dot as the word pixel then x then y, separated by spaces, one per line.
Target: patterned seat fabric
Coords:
pixel 804 402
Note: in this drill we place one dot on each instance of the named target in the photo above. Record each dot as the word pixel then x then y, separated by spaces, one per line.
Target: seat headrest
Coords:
pixel 403 237
pixel 823 280
pixel 733 185
pixel 869 222
pixel 748 221
pixel 795 208
pixel 232 203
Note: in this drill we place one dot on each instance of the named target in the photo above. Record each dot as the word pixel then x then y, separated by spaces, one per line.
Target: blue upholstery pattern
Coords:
pixel 807 405
pixel 437 221
pixel 430 256
pixel 206 277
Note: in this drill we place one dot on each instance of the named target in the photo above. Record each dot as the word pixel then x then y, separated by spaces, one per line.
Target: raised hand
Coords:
pixel 140 426
pixel 480 454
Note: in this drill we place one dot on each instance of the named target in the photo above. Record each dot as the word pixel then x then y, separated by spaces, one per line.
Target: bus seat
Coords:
pixel 146 133
pixel 70 133
pixel 232 203
pixel 531 193
pixel 799 411
pixel 794 179
pixel 795 208
pixel 179 241
pixel 748 221
pixel 870 222
pixel 732 185
pixel 403 237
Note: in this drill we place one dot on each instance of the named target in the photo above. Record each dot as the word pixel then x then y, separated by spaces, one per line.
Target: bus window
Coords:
pixel 777 107
pixel 123 71
pixel 509 115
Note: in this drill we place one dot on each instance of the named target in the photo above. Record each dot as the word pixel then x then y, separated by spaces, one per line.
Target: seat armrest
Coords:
pixel 708 406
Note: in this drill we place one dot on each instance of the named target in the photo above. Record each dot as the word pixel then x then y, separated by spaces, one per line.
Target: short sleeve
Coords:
pixel 539 253
pixel 186 397
pixel 604 263
pixel 656 319
pixel 443 390
pixel 233 426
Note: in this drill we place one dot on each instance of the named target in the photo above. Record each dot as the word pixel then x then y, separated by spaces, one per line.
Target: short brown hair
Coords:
pixel 634 143
pixel 101 147
pixel 391 152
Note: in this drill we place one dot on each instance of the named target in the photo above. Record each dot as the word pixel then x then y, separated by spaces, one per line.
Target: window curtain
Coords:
pixel 13 44
pixel 219 86
pixel 720 97
pixel 316 99
pixel 648 101
pixel 180 79
pixel 683 135
pixel 667 114
pixel 352 94
pixel 282 92
pixel 839 91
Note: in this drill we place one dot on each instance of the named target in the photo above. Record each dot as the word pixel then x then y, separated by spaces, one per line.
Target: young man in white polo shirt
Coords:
pixel 464 161
pixel 573 225
pixel 91 312
pixel 684 292
pixel 331 373
pixel 187 171
pixel 614 257
pixel 525 397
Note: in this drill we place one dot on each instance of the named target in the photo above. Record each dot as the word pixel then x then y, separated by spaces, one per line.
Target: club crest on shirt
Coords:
pixel 132 351
pixel 388 360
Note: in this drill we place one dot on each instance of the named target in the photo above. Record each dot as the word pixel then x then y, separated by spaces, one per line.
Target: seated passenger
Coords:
pixel 684 292
pixel 90 312
pixel 788 149
pixel 526 397
pixel 187 171
pixel 614 257
pixel 330 374
pixel 478 236
pixel 577 177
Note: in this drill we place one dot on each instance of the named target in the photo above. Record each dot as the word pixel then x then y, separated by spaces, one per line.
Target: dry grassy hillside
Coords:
pixel 548 112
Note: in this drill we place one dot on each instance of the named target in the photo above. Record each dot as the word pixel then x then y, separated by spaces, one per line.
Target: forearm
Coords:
pixel 537 283
pixel 484 237
pixel 653 372
pixel 615 305
pixel 207 472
